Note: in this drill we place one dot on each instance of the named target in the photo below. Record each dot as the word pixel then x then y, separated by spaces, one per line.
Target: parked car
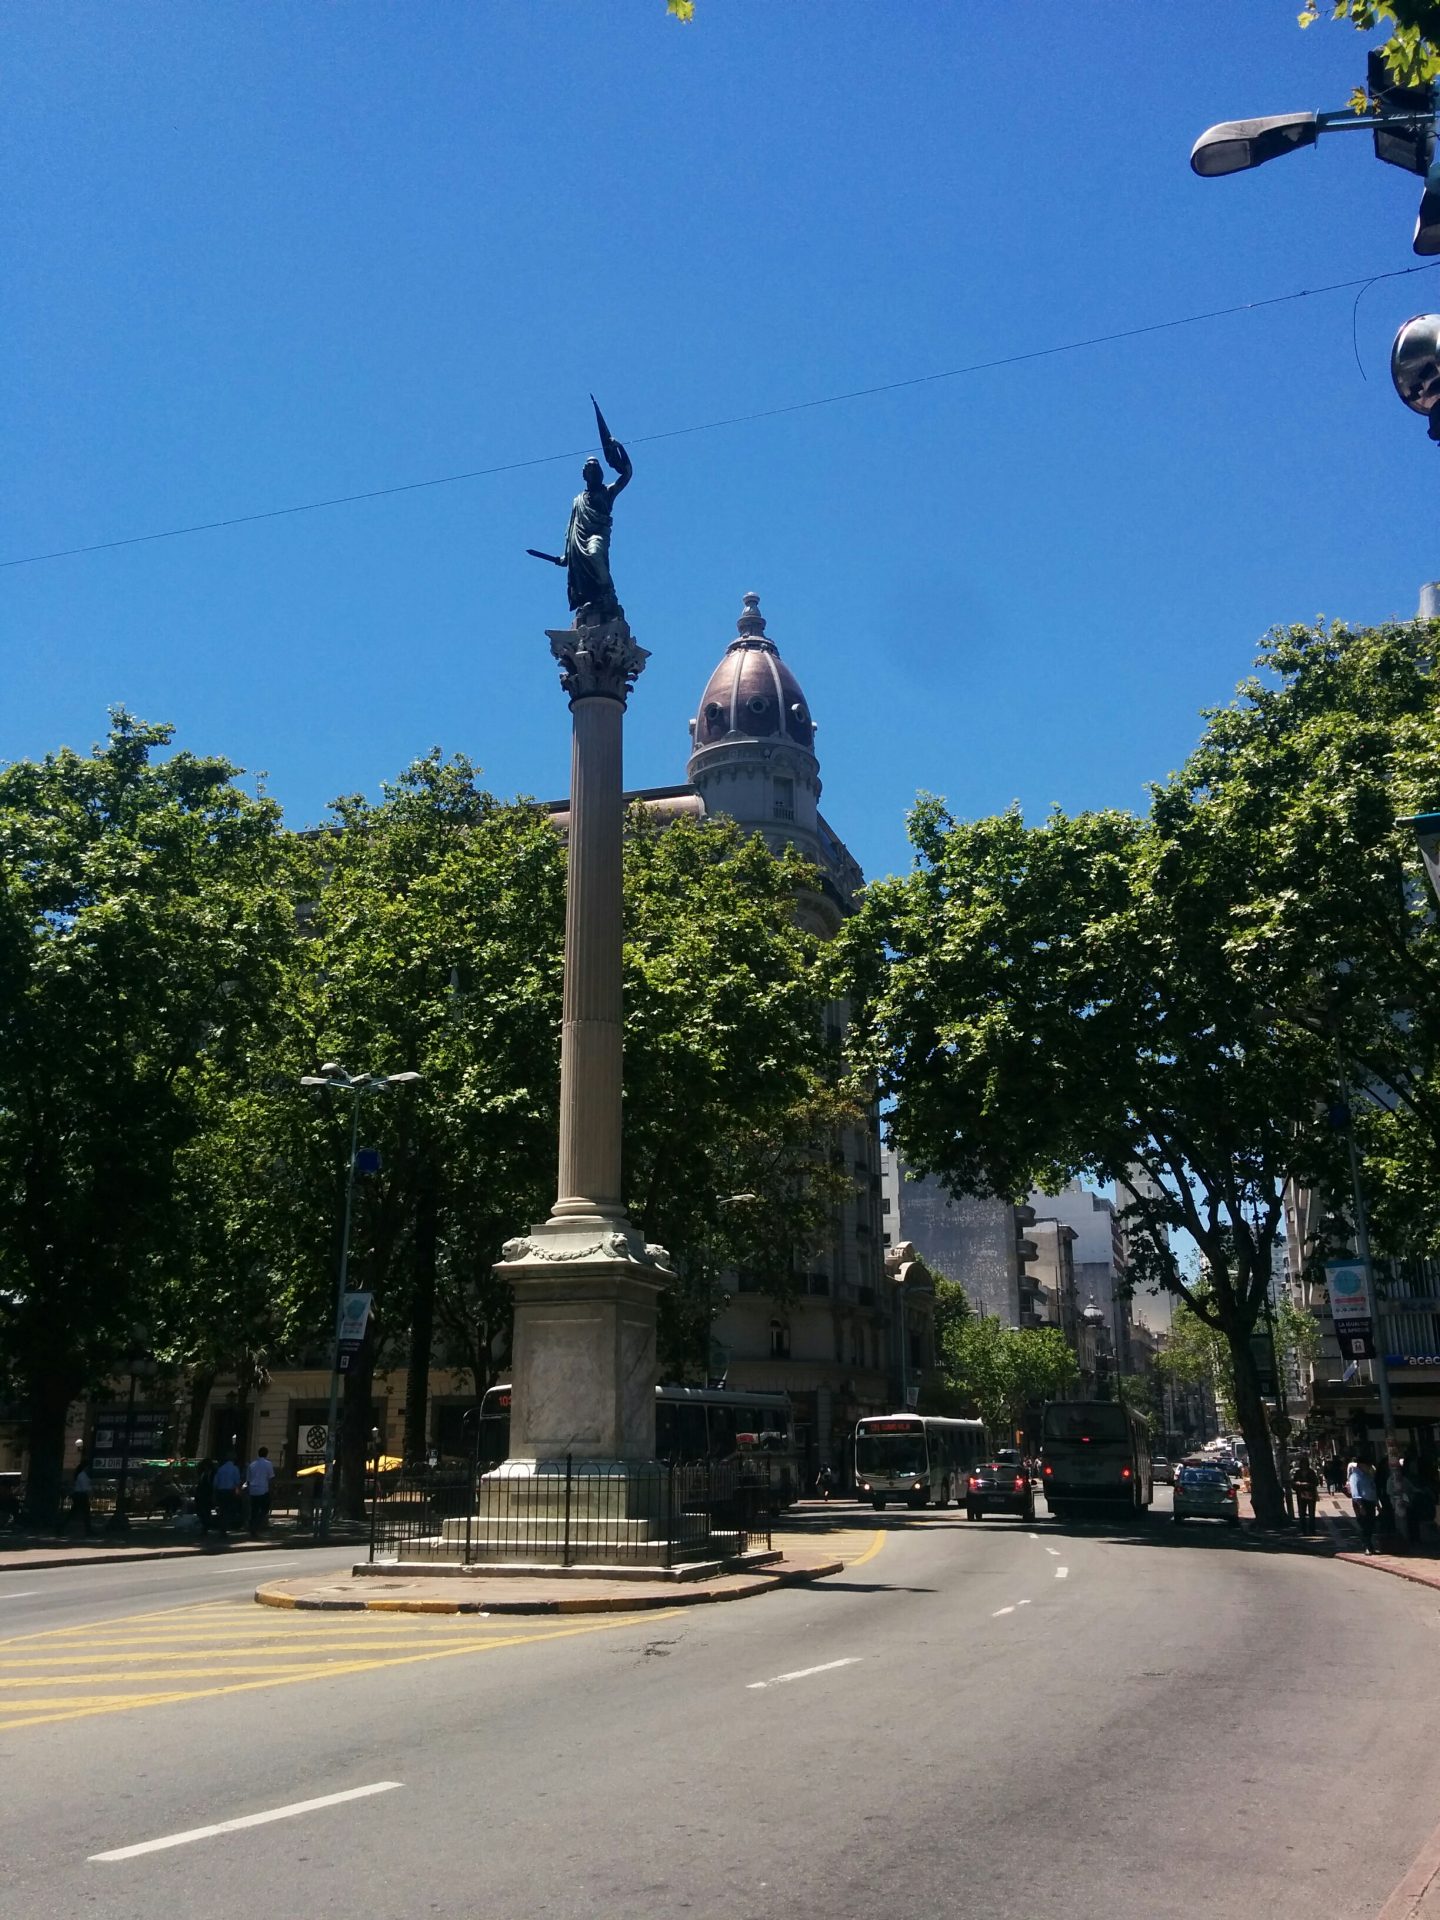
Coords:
pixel 1001 1485
pixel 1163 1471
pixel 1206 1492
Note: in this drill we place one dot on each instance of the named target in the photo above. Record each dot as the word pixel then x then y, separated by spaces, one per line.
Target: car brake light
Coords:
pixel 1049 1469
pixel 1019 1481
pixel 1124 1473
pixel 974 1482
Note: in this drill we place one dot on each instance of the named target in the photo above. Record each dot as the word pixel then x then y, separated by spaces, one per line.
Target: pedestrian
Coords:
pixel 825 1482
pixel 81 1487
pixel 1334 1473
pixel 1360 1479
pixel 1306 1484
pixel 1399 1487
pixel 205 1494
pixel 259 1477
pixel 227 1496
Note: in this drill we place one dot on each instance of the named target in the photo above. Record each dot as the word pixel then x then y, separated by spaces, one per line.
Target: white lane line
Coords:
pixel 1054 1552
pixel 29 1594
pixel 1032 1536
pixel 999 1610
pixel 1022 1603
pixel 802 1673
pixel 249 1820
pixel 1062 1573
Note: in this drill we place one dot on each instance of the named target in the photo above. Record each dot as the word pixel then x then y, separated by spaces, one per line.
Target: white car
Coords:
pixel 1163 1471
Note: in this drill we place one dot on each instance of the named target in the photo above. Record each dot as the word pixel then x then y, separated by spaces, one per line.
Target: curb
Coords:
pixel 275 1596
pixel 1376 1565
pixel 137 1556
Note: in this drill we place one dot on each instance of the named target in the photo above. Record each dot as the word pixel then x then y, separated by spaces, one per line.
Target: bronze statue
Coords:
pixel 586 559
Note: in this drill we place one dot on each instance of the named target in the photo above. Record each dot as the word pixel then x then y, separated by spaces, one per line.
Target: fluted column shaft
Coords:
pixel 591 1044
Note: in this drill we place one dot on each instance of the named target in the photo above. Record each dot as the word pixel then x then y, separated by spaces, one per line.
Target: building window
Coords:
pixel 784 798
pixel 779 1340
pixel 885 1204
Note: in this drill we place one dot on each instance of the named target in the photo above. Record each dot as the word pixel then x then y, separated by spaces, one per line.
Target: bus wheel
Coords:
pixel 879 1505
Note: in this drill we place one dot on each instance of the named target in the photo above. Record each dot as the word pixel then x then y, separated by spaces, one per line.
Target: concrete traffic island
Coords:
pixel 491 1590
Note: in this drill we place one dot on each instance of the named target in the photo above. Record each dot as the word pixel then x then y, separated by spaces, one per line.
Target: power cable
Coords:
pixel 731 420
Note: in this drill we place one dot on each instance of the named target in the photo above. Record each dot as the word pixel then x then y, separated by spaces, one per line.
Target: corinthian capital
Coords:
pixel 602 659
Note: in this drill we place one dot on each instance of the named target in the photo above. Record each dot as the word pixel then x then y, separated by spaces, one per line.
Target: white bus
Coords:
pixel 910 1457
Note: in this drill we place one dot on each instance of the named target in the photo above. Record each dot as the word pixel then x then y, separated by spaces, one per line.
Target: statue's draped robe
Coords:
pixel 587 554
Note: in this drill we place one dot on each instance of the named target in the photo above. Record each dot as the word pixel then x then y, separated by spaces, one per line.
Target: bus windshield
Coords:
pixel 1104 1423
pixel 902 1453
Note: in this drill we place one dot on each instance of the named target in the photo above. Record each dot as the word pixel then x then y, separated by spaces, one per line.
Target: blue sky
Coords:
pixel 259 255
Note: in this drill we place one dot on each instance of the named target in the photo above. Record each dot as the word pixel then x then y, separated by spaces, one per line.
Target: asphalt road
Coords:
pixel 976 1719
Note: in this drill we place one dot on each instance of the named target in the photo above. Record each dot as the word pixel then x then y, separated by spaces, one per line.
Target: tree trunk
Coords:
pixel 422 1319
pixel 355 1412
pixel 49 1403
pixel 1265 1491
pixel 202 1382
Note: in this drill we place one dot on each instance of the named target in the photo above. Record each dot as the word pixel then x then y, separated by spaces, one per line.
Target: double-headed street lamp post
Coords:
pixel 141 1363
pixel 334 1077
pixel 1404 125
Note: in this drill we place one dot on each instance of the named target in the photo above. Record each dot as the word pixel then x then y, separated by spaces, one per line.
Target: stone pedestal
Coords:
pixel 585 1283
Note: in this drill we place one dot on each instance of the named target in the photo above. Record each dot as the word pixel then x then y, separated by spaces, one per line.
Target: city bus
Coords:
pixel 1094 1453
pixel 911 1457
pixel 693 1423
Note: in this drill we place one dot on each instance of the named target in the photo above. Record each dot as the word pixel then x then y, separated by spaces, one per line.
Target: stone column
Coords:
pixel 583 1365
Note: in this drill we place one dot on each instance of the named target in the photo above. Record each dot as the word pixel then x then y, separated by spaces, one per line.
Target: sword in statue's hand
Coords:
pixel 553 558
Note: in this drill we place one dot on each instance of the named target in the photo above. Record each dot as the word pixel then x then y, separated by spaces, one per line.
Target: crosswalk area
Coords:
pixel 202 1651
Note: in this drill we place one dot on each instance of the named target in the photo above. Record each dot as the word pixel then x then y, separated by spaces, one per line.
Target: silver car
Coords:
pixel 1206 1493
pixel 1163 1471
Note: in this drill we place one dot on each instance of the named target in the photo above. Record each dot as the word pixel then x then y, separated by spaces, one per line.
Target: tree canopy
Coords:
pixel 1163 1001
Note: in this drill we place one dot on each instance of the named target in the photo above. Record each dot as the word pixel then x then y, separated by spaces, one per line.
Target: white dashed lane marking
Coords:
pixel 247 1820
pixel 801 1673
pixel 1062 1573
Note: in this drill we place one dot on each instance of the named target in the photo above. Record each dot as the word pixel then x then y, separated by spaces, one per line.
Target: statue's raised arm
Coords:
pixel 615 454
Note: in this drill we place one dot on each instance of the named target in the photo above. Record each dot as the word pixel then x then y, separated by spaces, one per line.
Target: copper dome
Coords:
pixel 752 694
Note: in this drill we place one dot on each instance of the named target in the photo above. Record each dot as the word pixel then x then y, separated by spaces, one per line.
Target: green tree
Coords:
pixel 999 1372
pixel 1412 51
pixel 1167 1002
pixel 732 1086
pixel 146 915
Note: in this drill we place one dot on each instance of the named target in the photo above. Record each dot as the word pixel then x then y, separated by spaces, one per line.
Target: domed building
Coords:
pixel 851 1341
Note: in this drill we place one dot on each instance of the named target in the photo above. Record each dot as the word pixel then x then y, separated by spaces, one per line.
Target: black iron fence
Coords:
pixel 569 1513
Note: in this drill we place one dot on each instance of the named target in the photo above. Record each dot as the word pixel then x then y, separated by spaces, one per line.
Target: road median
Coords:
pixel 478 1593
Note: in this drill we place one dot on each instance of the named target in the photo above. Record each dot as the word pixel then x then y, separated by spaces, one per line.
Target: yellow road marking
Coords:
pixel 26 1715
pixel 870 1552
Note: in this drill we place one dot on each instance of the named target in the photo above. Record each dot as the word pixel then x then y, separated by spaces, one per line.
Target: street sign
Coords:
pixel 1350 1308
pixel 1262 1348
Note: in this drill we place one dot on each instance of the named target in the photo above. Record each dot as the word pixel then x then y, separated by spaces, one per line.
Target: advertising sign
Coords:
pixel 1350 1307
pixel 354 1319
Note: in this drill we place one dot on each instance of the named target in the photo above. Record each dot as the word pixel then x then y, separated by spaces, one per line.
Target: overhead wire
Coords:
pixel 732 420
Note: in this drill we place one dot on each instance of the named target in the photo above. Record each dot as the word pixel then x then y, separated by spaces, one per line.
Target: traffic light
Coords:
pixel 1411 147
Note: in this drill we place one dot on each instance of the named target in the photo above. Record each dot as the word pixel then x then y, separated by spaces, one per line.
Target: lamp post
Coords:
pixel 335 1078
pixel 1404 132
pixel 141 1363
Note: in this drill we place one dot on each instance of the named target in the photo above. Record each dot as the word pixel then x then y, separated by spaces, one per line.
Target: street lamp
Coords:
pixel 335 1078
pixel 1415 367
pixel 141 1363
pixel 1404 132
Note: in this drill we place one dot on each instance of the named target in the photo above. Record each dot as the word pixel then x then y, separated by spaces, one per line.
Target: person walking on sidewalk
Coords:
pixel 825 1482
pixel 1363 1496
pixel 227 1495
pixel 1306 1483
pixel 1334 1474
pixel 81 1487
pixel 259 1477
